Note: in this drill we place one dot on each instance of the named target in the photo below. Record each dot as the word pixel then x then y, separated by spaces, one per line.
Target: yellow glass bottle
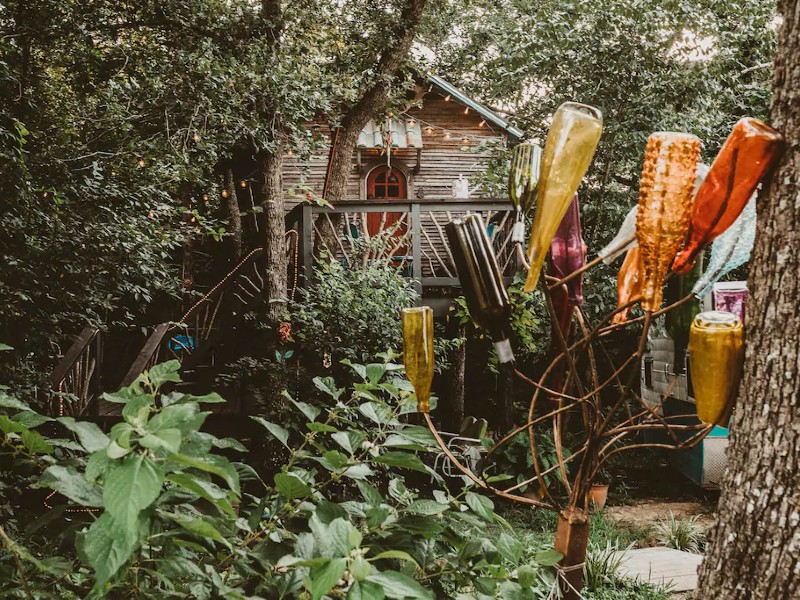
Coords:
pixel 665 204
pixel 418 352
pixel 568 151
pixel 716 352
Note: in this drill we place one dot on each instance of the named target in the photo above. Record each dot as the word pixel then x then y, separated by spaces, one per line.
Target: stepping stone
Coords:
pixel 662 566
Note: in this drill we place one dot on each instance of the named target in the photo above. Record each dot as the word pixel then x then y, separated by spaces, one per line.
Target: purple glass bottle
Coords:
pixel 567 251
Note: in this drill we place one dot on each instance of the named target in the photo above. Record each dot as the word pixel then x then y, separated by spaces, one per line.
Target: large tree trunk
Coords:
pixel 275 237
pixel 373 100
pixel 754 549
pixel 234 215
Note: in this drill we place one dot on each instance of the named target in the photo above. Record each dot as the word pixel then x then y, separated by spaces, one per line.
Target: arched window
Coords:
pixel 385 183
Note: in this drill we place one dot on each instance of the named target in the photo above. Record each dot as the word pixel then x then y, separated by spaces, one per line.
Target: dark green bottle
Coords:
pixel 481 280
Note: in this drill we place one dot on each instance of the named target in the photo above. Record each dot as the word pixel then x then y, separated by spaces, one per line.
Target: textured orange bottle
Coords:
pixel 716 351
pixel 629 283
pixel 749 153
pixel 418 352
pixel 665 201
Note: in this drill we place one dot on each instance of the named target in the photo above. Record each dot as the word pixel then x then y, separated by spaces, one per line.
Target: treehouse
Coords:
pixel 411 174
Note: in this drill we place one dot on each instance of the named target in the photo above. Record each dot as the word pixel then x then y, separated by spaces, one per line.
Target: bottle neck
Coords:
pixel 502 346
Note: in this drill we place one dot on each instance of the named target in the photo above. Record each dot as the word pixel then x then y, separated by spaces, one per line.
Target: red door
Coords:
pixel 386 183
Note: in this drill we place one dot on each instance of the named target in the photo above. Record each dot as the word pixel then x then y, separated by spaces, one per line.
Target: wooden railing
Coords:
pixel 406 233
pixel 75 382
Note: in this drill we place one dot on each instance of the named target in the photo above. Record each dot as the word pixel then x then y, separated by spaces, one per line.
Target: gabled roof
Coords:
pixel 487 114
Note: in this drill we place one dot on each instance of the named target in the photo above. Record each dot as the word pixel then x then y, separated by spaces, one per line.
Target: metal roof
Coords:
pixel 477 107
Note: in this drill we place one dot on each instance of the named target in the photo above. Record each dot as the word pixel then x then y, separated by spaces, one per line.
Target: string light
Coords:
pixel 429 130
pixel 390 114
pixel 196 138
pixel 447 135
pixel 224 193
pixel 447 98
pixel 140 162
pixel 243 184
pixel 482 123
pixel 465 139
pixel 205 197
pixel 466 110
pixel 45 194
pixel 412 122
pixel 113 173
pixel 289 152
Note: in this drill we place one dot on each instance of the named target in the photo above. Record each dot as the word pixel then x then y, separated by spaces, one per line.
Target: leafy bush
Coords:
pixel 602 565
pixel 164 513
pixel 681 534
pixel 353 314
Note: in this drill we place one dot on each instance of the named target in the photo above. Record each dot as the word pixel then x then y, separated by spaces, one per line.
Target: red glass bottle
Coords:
pixel 749 153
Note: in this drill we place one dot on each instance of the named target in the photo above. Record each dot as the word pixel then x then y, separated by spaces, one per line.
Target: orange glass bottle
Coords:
pixel 629 283
pixel 665 201
pixel 749 153
pixel 418 354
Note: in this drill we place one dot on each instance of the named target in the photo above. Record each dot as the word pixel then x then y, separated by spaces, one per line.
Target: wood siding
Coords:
pixel 441 160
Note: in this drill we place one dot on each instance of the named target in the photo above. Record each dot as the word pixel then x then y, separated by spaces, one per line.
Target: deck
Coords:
pixel 406 233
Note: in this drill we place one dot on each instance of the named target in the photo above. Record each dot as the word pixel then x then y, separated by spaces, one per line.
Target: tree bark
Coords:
pixel 234 215
pixel 356 117
pixel 754 550
pixel 275 235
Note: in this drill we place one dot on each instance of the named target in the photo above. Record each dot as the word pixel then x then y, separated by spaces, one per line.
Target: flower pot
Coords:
pixel 598 496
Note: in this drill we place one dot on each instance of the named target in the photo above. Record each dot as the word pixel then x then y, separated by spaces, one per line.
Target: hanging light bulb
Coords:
pixel 428 130
pixel 289 152
pixel 447 98
pixel 45 194
pixel 224 193
pixel 390 114
pixel 568 151
pixel 465 139
pixel 392 177
pixel 466 110
pixel 482 123
pixel 412 122
pixel 140 162
pixel 196 138
pixel 243 184
pixel 205 197
pixel 447 135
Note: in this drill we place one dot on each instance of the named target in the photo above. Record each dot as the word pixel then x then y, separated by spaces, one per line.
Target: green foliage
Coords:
pixel 167 514
pixel 529 322
pixel 681 534
pixel 602 565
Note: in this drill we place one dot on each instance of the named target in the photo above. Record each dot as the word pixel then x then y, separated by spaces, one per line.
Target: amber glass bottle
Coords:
pixel 568 151
pixel 665 202
pixel 418 354
pixel 629 283
pixel 716 351
pixel 481 280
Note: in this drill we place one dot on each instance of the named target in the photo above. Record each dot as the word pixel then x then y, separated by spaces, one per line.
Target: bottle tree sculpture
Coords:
pixel 586 400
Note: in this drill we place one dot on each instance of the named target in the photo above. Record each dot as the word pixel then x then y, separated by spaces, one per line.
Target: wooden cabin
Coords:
pixel 411 174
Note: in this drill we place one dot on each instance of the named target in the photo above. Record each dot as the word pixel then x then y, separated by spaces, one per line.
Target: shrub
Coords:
pixel 162 512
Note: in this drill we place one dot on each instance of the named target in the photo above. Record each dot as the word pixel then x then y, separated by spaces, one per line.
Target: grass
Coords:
pixel 681 534
pixel 536 529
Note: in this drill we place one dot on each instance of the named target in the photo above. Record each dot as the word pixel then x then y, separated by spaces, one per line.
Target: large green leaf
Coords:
pixel 276 430
pixel 344 536
pixel 89 434
pixel 131 485
pixel 404 460
pixel 9 426
pixel 205 489
pixel 291 486
pixel 426 507
pixel 364 590
pixel 197 526
pixel 164 372
pixel 324 578
pixel 217 465
pixel 480 505
pixel 107 547
pixel 7 401
pixel 68 482
pixel 177 416
pixel 399 586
